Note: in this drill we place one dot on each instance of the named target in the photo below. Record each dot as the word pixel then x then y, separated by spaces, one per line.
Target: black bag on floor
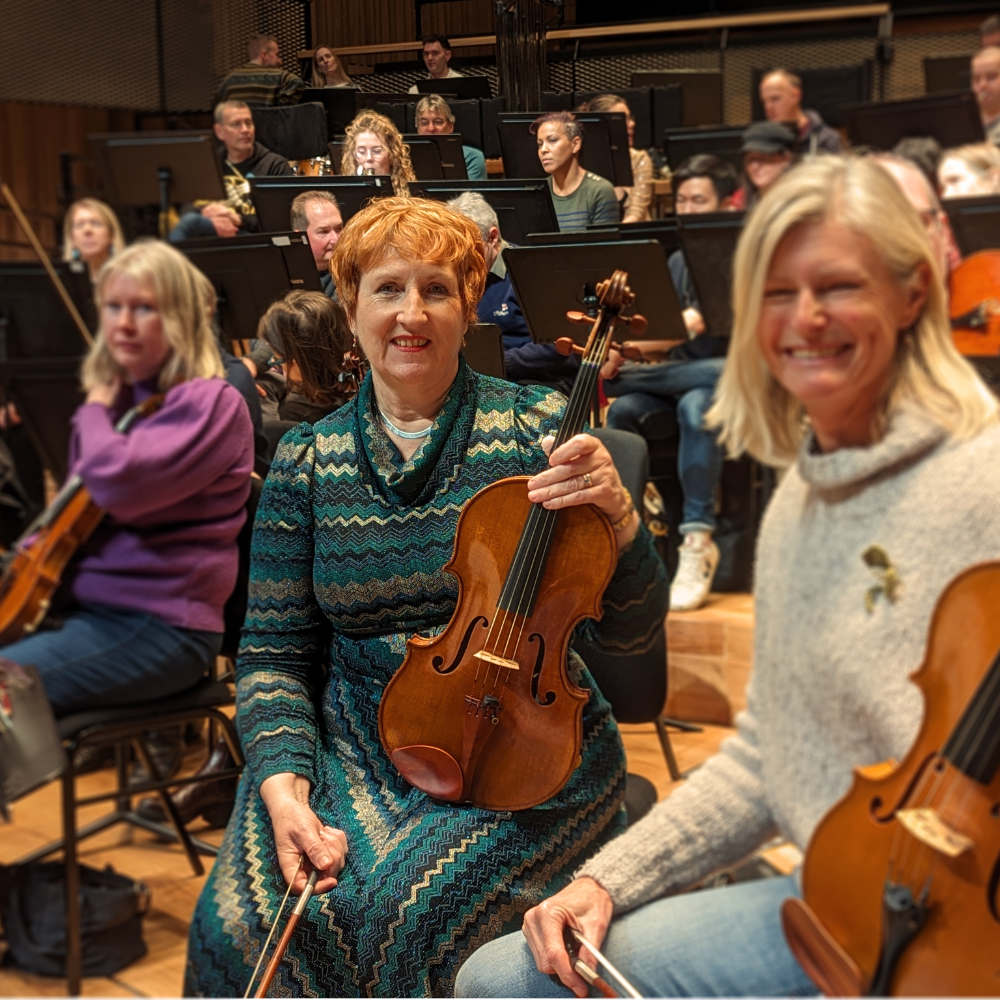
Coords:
pixel 33 910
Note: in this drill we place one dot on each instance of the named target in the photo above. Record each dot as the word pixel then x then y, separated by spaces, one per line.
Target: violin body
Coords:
pixel 435 718
pixel 33 575
pixel 924 825
pixel 974 304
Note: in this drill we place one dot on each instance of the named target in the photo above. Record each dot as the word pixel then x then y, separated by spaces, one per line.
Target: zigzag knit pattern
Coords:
pixel 348 551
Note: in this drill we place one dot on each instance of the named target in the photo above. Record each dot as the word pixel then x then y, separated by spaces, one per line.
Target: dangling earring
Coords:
pixel 75 255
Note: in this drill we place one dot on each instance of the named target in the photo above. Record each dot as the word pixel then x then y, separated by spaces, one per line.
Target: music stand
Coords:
pixel 551 280
pixel 40 354
pixel 158 168
pixel 605 145
pixel 975 222
pixel 662 230
pixel 463 87
pixel 339 102
pixel 450 157
pixel 483 350
pixel 944 73
pixel 596 235
pixel 953 119
pixel 709 244
pixel 522 207
pixel 721 140
pixel 702 97
pixel 251 272
pixel 273 196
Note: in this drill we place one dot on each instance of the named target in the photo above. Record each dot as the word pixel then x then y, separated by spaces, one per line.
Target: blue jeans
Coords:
pixel 645 391
pixel 715 943
pixel 104 656
pixel 190 226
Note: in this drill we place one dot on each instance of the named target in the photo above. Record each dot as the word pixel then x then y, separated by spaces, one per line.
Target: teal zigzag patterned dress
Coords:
pixel 347 556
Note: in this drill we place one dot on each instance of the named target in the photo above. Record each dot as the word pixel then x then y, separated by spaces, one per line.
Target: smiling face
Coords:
pixel 90 235
pixel 371 152
pixel 555 149
pixel 829 326
pixel 133 327
pixel 410 322
pixel 764 169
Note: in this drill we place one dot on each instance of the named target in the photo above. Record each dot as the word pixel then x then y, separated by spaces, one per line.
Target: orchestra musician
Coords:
pixel 969 170
pixel 328 70
pixel 434 117
pixel 781 98
pixel 356 521
pixel 91 234
pixel 985 74
pixel 261 82
pixel 142 611
pixel 437 56
pixel 768 151
pixel 844 369
pixel 373 145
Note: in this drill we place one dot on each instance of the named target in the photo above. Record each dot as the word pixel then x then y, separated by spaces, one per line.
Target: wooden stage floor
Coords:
pixel 175 891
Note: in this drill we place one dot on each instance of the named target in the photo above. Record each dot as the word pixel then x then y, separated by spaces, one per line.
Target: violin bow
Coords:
pixel 572 938
pixel 46 263
pixel 293 921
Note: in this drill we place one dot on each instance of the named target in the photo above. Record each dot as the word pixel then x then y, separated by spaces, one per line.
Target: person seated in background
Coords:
pixel 989 32
pixel 261 81
pixel 768 151
pixel 580 197
pixel 91 234
pixel 242 157
pixel 923 150
pixel 635 200
pixel 143 597
pixel 781 97
pixel 969 170
pixel 685 382
pixel 985 79
pixel 434 117
pixel 524 360
pixel 328 70
pixel 437 56
pixel 373 145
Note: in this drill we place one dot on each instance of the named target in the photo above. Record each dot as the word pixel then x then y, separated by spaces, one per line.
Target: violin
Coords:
pixel 901 880
pixel 486 712
pixel 44 549
pixel 974 304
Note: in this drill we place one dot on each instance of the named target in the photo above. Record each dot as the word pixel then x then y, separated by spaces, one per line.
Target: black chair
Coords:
pixel 125 726
pixel 297 132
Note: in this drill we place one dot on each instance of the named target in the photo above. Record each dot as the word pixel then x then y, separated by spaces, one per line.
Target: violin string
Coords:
pixel 274 925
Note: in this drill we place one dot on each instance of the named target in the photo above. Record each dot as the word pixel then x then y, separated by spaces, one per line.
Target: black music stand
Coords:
pixel 522 207
pixel 709 244
pixel 551 280
pixel 273 196
pixel 158 168
pixel 463 87
pixel 605 145
pixel 944 73
pixel 484 350
pixel 953 119
pixel 340 105
pixel 702 91
pixel 596 235
pixel 449 159
pixel 40 354
pixel 975 222
pixel 251 272
pixel 724 141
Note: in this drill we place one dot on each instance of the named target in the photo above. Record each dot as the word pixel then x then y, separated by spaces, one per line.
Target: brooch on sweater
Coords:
pixel 878 561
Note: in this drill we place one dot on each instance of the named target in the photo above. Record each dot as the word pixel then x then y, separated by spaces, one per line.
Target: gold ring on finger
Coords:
pixel 587 481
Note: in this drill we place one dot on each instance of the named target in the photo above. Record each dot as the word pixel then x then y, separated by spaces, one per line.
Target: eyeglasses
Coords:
pixel 436 122
pixel 364 153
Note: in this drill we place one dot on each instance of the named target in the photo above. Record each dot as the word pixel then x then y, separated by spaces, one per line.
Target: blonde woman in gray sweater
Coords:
pixel 841 367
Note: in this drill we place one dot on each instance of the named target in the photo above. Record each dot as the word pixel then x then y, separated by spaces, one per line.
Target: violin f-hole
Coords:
pixel 438 661
pixel 536 673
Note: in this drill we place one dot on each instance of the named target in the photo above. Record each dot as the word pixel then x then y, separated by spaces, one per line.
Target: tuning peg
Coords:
pixel 566 346
pixel 575 316
pixel 637 324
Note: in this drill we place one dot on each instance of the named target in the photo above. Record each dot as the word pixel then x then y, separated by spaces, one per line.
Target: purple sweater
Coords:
pixel 174 489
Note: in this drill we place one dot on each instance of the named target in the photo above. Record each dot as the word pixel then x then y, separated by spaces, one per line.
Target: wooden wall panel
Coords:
pixel 34 135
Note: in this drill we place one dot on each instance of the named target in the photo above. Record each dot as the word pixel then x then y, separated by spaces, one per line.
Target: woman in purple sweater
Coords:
pixel 144 597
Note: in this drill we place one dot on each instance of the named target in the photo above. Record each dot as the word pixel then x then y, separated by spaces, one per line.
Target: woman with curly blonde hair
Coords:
pixel 374 146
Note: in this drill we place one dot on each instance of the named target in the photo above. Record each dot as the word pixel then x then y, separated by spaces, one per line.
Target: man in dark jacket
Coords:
pixel 781 96
pixel 242 157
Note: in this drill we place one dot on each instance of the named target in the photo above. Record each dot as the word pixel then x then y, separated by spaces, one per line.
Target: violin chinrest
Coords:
pixel 430 769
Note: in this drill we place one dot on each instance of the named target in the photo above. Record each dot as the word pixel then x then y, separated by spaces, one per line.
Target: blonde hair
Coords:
pixel 982 158
pixel 432 103
pixel 415 229
pixel 107 216
pixel 185 300
pixel 400 170
pixel 339 73
pixel 757 414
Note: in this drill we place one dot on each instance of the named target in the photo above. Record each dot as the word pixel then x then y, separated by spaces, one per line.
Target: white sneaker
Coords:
pixel 699 557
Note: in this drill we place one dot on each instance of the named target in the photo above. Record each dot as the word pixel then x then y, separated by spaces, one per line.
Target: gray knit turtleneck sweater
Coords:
pixel 830 687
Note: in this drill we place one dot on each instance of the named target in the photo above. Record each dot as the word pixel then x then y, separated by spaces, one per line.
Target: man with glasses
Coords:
pixel 434 117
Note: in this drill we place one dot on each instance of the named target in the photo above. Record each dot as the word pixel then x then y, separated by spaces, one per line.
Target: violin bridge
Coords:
pixel 497 661
pixel 930 829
